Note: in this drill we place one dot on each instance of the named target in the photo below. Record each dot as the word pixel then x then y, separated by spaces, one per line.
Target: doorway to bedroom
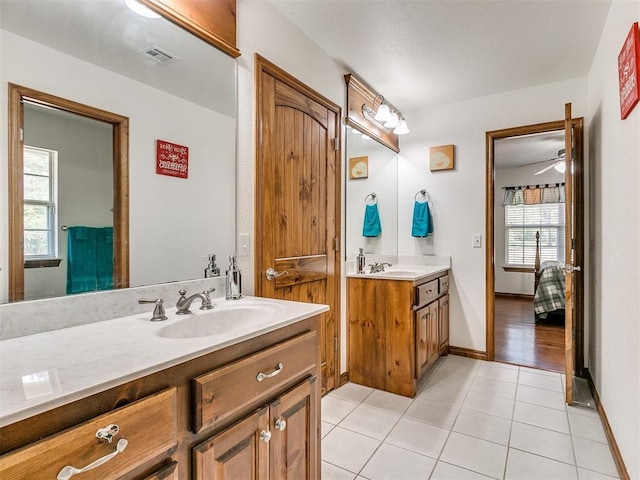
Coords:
pixel 528 239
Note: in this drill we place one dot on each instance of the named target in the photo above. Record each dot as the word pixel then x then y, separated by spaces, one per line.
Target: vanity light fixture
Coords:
pixel 141 9
pixel 385 116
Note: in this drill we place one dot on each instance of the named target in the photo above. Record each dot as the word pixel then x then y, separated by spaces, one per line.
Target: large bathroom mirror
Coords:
pixel 170 86
pixel 372 169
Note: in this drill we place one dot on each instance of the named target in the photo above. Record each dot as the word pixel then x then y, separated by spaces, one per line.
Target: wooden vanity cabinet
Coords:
pixel 397 330
pixel 161 416
pixel 277 441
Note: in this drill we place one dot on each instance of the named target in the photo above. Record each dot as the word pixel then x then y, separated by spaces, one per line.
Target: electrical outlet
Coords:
pixel 244 245
pixel 476 240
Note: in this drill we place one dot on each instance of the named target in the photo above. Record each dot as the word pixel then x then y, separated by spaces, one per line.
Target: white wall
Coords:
pixel 173 222
pixel 514 282
pixel 458 196
pixel 614 147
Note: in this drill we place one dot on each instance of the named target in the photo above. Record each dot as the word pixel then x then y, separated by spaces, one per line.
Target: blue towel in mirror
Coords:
pixel 422 224
pixel 81 259
pixel 372 227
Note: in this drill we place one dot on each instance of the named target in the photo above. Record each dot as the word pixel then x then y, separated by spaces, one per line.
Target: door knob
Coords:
pixel 272 274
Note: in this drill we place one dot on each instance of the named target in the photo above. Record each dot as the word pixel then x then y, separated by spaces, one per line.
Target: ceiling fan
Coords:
pixel 558 163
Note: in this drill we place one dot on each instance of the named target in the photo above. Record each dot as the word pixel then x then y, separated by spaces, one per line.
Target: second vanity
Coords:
pixel 231 392
pixel 398 325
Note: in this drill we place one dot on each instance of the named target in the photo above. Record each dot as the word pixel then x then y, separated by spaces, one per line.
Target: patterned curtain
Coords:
pixel 534 194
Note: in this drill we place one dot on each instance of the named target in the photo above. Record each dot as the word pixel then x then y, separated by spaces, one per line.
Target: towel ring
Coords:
pixel 424 194
pixel 374 198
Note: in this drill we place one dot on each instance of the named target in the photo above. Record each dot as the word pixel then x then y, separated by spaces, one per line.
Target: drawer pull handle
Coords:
pixel 265 436
pixel 67 472
pixel 261 376
pixel 281 424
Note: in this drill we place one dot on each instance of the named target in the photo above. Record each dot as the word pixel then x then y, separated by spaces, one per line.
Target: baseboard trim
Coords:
pixel 344 379
pixel 467 352
pixel 613 445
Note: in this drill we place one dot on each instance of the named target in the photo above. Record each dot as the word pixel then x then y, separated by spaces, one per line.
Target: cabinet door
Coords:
pixel 294 424
pixel 240 451
pixel 433 345
pixel 443 324
pixel 422 334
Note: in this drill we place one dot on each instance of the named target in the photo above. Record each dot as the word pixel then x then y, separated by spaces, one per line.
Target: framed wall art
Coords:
pixel 629 72
pixel 358 167
pixel 441 158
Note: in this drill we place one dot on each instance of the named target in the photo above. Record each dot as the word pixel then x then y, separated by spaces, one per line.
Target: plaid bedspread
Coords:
pixel 550 293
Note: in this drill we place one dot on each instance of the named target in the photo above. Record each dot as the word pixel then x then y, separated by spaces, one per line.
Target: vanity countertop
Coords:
pixel 46 370
pixel 412 273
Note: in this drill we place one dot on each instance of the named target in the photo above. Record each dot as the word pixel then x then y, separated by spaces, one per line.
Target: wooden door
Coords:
pixel 570 256
pixel 240 451
pixel 295 435
pixel 298 201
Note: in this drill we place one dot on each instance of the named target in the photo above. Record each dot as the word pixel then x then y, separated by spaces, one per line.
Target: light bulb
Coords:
pixel 383 113
pixel 402 128
pixel 141 9
pixel 393 121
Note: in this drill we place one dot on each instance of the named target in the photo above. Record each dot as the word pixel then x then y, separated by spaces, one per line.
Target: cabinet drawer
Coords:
pixel 148 425
pixel 444 284
pixel 427 292
pixel 223 392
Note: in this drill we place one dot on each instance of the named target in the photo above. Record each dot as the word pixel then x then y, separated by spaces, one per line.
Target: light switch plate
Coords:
pixel 244 245
pixel 476 240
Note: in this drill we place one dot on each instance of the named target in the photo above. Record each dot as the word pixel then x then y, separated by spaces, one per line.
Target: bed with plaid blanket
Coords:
pixel 550 292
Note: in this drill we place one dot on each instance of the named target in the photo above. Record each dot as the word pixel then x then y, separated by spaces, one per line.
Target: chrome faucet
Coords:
pixel 184 303
pixel 378 267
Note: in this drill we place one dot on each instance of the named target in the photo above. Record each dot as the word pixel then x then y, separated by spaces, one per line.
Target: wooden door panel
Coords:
pixel 298 199
pixel 290 97
pixel 237 452
pixel 294 426
pixel 570 212
pixel 300 270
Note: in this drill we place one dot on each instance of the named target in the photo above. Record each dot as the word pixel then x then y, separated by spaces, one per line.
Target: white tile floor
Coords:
pixel 471 420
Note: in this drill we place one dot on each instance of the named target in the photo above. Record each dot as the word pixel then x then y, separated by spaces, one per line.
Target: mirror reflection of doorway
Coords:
pixel 529 238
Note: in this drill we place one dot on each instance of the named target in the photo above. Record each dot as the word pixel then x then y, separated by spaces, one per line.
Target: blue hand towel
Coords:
pixel 104 258
pixel 372 227
pixel 422 224
pixel 81 259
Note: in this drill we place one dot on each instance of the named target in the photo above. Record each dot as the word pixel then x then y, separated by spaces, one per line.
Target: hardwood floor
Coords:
pixel 519 340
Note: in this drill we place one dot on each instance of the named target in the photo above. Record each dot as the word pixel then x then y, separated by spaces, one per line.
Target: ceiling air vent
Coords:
pixel 158 55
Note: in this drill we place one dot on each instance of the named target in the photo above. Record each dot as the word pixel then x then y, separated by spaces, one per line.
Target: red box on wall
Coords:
pixel 629 72
pixel 172 159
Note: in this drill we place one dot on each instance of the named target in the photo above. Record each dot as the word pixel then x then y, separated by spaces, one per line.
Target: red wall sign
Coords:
pixel 629 72
pixel 172 159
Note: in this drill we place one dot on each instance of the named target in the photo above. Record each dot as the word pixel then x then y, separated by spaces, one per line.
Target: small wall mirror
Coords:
pixel 172 87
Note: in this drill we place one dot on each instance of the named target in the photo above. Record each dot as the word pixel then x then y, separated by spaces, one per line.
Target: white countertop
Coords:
pixel 413 273
pixel 46 370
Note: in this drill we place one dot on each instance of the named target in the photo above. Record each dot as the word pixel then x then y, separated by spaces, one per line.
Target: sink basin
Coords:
pixel 221 320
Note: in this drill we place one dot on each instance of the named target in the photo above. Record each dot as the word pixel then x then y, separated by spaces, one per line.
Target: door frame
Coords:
pixel 491 136
pixel 262 65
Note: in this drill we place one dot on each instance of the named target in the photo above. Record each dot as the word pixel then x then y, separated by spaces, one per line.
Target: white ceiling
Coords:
pixel 419 53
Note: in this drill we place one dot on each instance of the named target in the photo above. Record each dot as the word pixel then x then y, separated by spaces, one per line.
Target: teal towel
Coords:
pixel 372 227
pixel 81 259
pixel 89 259
pixel 422 224
pixel 104 258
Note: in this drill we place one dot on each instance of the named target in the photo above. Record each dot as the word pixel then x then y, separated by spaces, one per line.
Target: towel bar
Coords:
pixel 424 193
pixel 374 198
